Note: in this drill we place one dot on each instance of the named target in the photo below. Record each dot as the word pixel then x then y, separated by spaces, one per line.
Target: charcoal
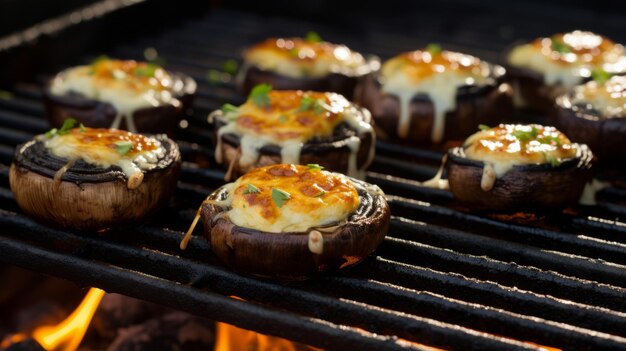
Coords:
pixel 25 345
pixel 174 331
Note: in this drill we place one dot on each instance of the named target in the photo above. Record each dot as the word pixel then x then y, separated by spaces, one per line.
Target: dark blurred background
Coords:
pixel 483 28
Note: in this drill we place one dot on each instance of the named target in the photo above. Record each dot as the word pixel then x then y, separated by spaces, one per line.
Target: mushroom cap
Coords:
pixel 287 255
pixel 88 198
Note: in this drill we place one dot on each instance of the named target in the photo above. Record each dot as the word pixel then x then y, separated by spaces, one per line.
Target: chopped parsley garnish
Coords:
pixel 483 127
pixel 82 128
pixel 315 167
pixel 549 139
pixel 559 46
pixel 251 189
pixel 123 147
pixel 308 103
pixel 147 70
pixel 600 75
pixel 554 162
pixel 283 119
pixel 313 37
pixel 525 136
pixel 99 59
pixel 293 52
pixel 280 197
pixel 214 76
pixel 229 108
pixel 260 95
pixel 68 124
pixel 230 67
pixel 434 49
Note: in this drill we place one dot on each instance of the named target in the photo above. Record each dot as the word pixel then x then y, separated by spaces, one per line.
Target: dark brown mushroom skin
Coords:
pixel 333 82
pixel 604 135
pixel 474 105
pixel 100 114
pixel 286 255
pixel 524 187
pixel 92 198
pixel 332 153
pixel 535 94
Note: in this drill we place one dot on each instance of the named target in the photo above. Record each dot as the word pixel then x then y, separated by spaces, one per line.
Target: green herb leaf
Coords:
pixel 146 71
pixel 313 37
pixel 123 147
pixel 525 136
pixel 230 67
pixel 483 127
pixel 549 139
pixel 315 167
pixel 99 59
pixel 68 124
pixel 259 95
pixel 559 46
pixel 434 49
pixel 554 162
pixel 280 196
pixel 213 76
pixel 293 52
pixel 282 119
pixel 600 75
pixel 321 193
pixel 52 132
pixel 228 108
pixel 251 189
pixel 309 103
pixel 82 128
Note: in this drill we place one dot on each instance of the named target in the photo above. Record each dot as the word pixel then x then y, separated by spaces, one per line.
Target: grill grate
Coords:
pixel 443 277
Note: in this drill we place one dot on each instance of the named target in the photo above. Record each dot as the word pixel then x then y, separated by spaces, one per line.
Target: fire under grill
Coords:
pixel 443 277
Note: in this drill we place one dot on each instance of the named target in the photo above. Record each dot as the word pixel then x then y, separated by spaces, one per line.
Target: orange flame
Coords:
pixel 67 335
pixel 232 338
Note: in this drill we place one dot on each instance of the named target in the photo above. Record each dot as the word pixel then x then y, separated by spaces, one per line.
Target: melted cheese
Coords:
pixel 316 199
pixel 586 51
pixel 101 147
pixel 289 122
pixel 436 75
pixel 127 85
pixel 609 98
pixel 507 145
pixel 298 58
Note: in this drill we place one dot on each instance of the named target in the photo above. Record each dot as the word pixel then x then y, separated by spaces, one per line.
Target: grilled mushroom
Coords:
pixel 431 96
pixel 292 222
pixel 514 167
pixel 130 95
pixel 595 114
pixel 304 64
pixel 92 179
pixel 294 126
pixel 548 67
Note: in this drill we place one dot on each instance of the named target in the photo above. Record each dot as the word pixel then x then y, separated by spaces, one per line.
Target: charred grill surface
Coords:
pixel 444 276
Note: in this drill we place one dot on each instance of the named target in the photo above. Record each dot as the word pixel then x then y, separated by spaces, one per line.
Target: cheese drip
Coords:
pixel 127 85
pixel 608 98
pixel 566 59
pixel 299 58
pixel 132 153
pixel 501 148
pixel 292 119
pixel 437 76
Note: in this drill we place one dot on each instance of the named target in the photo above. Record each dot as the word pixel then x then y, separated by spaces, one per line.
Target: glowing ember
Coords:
pixel 67 335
